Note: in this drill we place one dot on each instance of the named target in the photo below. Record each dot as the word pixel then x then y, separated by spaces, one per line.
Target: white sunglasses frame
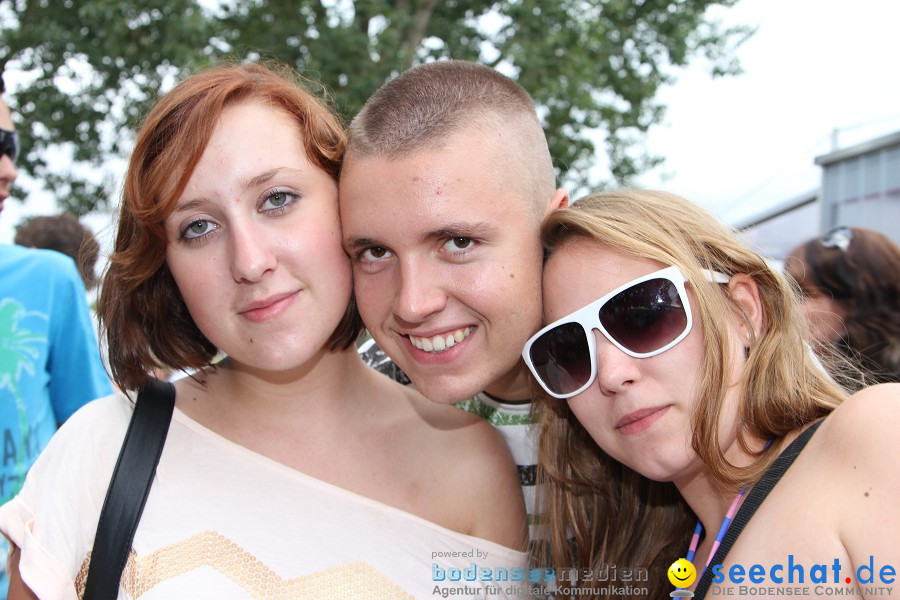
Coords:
pixel 588 317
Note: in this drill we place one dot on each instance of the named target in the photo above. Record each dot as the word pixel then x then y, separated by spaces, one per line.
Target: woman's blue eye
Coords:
pixel 278 199
pixel 197 228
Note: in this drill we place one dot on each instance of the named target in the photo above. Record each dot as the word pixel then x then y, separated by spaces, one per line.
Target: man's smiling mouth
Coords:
pixel 439 343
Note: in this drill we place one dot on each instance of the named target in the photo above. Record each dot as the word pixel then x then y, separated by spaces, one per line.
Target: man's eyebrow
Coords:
pixel 357 243
pixel 460 229
pixel 450 230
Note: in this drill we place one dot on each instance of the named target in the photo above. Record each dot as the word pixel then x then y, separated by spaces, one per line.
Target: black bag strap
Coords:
pixel 756 496
pixel 128 488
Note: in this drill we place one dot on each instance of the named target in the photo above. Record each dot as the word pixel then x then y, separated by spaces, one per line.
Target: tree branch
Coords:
pixel 416 32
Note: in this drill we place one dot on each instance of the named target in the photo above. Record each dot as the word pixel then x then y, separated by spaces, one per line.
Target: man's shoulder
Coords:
pixel 37 261
pixel 40 282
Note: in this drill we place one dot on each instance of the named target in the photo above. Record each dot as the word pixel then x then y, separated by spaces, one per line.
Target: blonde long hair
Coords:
pixel 602 512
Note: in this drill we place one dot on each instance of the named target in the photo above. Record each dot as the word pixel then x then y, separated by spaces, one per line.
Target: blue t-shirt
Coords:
pixel 49 358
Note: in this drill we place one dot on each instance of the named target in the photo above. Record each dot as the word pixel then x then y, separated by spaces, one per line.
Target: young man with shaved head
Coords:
pixel 445 182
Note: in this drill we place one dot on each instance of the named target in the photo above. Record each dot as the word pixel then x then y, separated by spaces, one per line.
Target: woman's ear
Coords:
pixel 745 293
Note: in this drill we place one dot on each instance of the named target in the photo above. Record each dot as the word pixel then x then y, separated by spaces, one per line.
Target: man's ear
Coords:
pixel 559 199
pixel 745 293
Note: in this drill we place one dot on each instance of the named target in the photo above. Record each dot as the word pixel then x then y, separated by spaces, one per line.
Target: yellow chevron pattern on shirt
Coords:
pixel 210 549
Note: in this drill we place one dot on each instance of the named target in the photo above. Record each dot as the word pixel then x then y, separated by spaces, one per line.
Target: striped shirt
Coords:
pixel 519 430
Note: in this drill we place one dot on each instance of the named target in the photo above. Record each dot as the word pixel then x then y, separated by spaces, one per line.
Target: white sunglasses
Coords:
pixel 642 318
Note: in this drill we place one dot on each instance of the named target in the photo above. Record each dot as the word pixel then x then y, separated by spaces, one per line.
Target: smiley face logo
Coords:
pixel 682 573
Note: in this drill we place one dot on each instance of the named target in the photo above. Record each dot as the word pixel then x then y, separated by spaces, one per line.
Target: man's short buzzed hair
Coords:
pixel 424 106
pixel 430 102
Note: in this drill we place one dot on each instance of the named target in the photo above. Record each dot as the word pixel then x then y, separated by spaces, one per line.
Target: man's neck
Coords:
pixel 506 401
pixel 514 387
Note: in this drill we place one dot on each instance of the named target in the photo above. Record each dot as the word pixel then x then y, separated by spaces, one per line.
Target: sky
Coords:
pixel 738 145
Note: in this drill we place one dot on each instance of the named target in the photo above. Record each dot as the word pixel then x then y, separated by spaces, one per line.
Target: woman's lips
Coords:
pixel 269 308
pixel 639 420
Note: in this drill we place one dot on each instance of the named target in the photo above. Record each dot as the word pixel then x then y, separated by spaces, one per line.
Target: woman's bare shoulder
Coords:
pixel 858 449
pixel 861 455
pixel 866 425
pixel 407 402
pixel 479 481
pixel 443 433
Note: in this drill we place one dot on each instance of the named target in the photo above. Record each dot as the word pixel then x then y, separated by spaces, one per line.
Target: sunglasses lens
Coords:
pixel 9 144
pixel 562 358
pixel 646 316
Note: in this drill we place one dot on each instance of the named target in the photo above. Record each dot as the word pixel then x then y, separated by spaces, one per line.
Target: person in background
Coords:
pixel 63 233
pixel 850 280
pixel 446 179
pixel 49 358
pixel 675 372
pixel 291 469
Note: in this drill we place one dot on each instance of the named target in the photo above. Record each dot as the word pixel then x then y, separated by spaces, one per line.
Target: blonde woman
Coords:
pixel 675 372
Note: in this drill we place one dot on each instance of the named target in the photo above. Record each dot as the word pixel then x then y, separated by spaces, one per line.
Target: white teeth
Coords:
pixel 439 343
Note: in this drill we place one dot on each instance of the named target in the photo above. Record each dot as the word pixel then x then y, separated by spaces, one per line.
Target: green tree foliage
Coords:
pixel 92 67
